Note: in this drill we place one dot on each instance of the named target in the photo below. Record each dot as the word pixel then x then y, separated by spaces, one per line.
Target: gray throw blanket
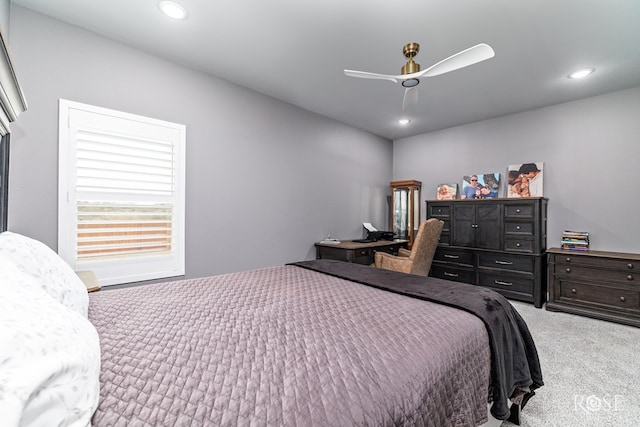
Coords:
pixel 515 368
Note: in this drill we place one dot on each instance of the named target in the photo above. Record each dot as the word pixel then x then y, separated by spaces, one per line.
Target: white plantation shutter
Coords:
pixel 121 194
pixel 107 230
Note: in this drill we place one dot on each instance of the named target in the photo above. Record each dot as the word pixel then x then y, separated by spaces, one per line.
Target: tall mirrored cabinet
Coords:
pixel 405 209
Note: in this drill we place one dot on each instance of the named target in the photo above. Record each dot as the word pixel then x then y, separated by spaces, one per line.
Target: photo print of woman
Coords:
pixel 525 180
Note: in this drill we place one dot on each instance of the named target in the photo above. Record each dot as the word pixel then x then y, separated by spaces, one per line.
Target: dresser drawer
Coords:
pixel 359 256
pixel 599 296
pixel 524 228
pixel 519 210
pixel 506 282
pixel 575 272
pixel 523 245
pixel 568 260
pixel 456 256
pixel 439 211
pixel 456 274
pixel 506 262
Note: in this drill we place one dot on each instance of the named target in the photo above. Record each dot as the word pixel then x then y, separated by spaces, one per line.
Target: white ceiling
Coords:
pixel 296 50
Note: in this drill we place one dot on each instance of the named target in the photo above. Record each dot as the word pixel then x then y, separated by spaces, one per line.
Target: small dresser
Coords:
pixel 603 285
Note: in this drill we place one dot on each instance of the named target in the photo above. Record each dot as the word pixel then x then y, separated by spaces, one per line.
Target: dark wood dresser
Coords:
pixel 603 285
pixel 497 243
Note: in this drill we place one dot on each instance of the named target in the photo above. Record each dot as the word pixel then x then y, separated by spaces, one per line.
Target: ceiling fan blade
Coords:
pixel 366 75
pixel 410 97
pixel 462 59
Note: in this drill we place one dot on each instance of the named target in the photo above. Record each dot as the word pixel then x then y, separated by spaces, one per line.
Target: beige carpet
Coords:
pixel 591 370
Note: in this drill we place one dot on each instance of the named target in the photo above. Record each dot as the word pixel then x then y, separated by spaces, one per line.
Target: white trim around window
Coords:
pixel 121 194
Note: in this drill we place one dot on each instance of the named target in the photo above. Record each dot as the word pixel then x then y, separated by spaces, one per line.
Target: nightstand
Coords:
pixel 597 284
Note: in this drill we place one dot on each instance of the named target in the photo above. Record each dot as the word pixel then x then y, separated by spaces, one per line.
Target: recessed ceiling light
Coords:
pixel 172 10
pixel 404 121
pixel 581 73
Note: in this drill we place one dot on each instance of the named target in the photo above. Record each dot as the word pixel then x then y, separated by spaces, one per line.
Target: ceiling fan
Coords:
pixel 411 74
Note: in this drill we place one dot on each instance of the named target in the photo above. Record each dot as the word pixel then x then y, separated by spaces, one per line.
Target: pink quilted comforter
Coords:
pixel 286 346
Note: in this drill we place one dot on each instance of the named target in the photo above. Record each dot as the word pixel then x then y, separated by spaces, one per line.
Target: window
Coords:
pixel 121 194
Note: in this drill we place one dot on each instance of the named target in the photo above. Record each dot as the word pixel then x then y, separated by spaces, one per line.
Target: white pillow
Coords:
pixel 53 273
pixel 49 356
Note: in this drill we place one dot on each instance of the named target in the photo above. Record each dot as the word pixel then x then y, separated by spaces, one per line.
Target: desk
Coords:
pixel 360 253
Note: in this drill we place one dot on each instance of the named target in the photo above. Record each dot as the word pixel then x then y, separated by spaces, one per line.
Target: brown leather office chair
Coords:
pixel 418 259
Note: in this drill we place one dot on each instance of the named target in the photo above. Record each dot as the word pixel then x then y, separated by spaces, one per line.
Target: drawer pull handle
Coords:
pixel 517 210
pixel 623 299
pixel 446 273
pixel 518 227
pixel 629 277
pixel 504 262
pixel 568 270
pixel 568 259
pixel 517 245
pixel 451 256
pixel 499 282
pixel 573 290
pixel 629 265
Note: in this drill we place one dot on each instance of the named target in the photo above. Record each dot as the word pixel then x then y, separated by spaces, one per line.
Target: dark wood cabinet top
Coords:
pixel 591 253
pixel 493 199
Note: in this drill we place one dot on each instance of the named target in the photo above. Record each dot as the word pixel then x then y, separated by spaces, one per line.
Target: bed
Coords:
pixel 311 343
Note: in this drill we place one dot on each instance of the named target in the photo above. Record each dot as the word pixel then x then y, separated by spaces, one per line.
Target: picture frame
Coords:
pixel 525 180
pixel 480 186
pixel 447 191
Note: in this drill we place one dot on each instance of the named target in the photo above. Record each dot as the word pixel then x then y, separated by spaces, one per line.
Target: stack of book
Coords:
pixel 575 240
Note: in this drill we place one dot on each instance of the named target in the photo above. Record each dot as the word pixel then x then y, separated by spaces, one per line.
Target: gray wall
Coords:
pixel 591 157
pixel 264 179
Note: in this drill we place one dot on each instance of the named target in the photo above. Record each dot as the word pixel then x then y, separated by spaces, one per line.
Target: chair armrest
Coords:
pixel 404 252
pixel 392 262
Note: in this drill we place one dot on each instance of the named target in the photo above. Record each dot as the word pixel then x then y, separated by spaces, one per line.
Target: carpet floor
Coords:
pixel 591 371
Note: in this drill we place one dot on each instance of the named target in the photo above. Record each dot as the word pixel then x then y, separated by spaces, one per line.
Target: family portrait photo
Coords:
pixel 480 186
pixel 525 180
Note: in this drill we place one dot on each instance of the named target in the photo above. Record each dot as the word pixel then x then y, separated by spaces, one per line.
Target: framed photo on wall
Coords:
pixel 525 180
pixel 447 191
pixel 480 186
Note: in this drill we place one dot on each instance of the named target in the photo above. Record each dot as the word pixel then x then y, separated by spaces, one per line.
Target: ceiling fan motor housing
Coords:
pixel 409 51
pixel 410 67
